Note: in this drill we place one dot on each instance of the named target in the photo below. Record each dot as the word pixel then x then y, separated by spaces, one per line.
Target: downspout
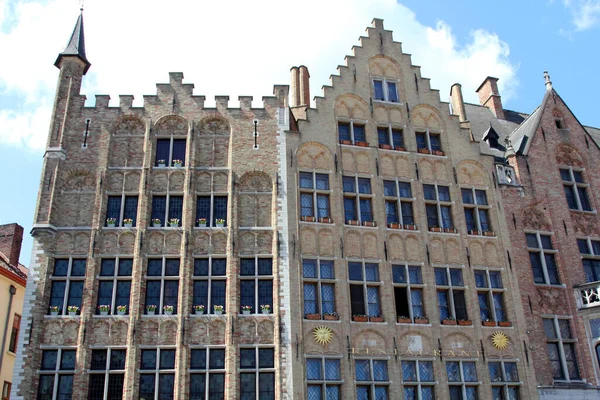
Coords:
pixel 13 291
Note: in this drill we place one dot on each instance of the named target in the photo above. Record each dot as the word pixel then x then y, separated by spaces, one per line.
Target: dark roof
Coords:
pixel 76 45
pixel 20 270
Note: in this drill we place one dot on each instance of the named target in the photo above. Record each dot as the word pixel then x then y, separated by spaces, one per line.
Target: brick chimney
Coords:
pixel 299 91
pixel 490 97
pixel 11 237
pixel 458 105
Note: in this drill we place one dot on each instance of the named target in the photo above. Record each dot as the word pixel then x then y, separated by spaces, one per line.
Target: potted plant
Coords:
pixel 424 151
pixel 449 321
pixel 450 230
pixel 362 144
pixel 369 223
pixel 104 309
pixel 400 148
pixel 72 310
pixel 128 223
pixel 167 310
pixel 199 309
pixel 265 308
pixel 174 222
pixel 435 229
pixel 177 163
pixel 438 152
pixel 474 232
pixel 121 310
pixel 394 225
pixel 404 320
pixel 161 163
pixel 151 309
pixel 220 222
pixel 202 222
pixel 111 222
pixel 218 310
pixel 488 233
pixel 505 324
pixel 325 220
pixel 308 218
pixel 376 318
pixel 353 222
pixel 360 318
pixel 312 316
pixel 346 141
pixel 54 310
pixel 488 322
pixel 465 322
pixel 410 227
pixel 420 319
pixel 156 223
pixel 385 146
pixel 246 310
pixel 331 316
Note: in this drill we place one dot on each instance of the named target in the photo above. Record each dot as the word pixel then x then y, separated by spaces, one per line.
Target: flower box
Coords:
pixel 202 222
pixel 409 227
pixel 435 229
pixel 72 313
pixel 150 312
pixel 199 309
pixel 376 319
pixel 474 232
pixel 121 312
pixel 489 233
pixel 312 316
pixel 265 309
pixel 325 220
pixel 449 322
pixel 394 225
pixel 155 225
pixel 424 151
pixel 104 313
pixel 128 224
pixel 369 223
pixel 404 320
pixel 219 222
pixel 308 218
pixel 421 320
pixel 450 230
pixel 177 163
pixel 465 322
pixel 400 148
pixel 505 324
pixel 218 309
pixel 353 222
pixel 488 323
pixel 174 224
pixel 344 141
pixel 218 312
pixel 331 317
pixel 385 146
pixel 360 318
pixel 246 312
pixel 438 152
pixel 161 163
pixel 151 309
pixel 362 144
pixel 111 225
pixel 54 313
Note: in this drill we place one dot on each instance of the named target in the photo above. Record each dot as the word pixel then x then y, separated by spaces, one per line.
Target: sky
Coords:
pixel 240 47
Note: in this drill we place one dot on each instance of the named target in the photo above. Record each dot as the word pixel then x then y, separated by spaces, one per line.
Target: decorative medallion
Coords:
pixel 500 340
pixel 322 335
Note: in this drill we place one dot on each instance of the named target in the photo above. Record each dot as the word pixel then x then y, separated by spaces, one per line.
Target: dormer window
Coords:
pixel 493 142
pixel 385 90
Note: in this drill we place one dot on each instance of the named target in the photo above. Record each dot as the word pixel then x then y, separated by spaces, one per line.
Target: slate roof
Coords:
pixel 20 270
pixel 76 45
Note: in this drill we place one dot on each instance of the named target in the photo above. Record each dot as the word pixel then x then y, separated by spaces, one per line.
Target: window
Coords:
pixel 408 291
pixel 67 283
pixel 462 380
pixel 210 282
pixel 490 294
pixel 417 379
pixel 590 255
pixel 451 293
pixel 256 282
pixel 357 200
pixel 372 379
pixel 476 211
pixel 561 349
pixel 120 208
pixel 157 374
pixel 314 196
pixel 541 255
pixel 428 142
pixel 114 286
pixel 351 132
pixel 56 374
pixel 162 283
pixel 385 90
pixel 319 286
pixel 14 334
pixel 164 208
pixel 170 150
pixel 207 374
pixel 107 374
pixel 390 138
pixel 6 390
pixel 398 203
pixel 364 288
pixel 575 189
pixel 323 378
pixel 438 206
pixel 257 373
pixel 212 207
pixel 505 380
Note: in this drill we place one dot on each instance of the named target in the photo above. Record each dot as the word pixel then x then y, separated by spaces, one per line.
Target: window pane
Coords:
pixel 565 175
pixel 371 272
pixel 327 271
pixel 313 369
pixel 175 207
pixel 247 267
pixel 578 175
pixel 147 386
pixel 266 358
pixel 366 213
pixel 78 268
pixel 49 358
pixel 265 292
pixel 583 246
pixel 426 371
pixel 159 207
pixel 399 274
pixel 364 185
pixel 405 190
pixel 355 271
pixel 383 136
pixel 536 266
pixel 332 370
pixel 380 371
pixel 122 297
pixel 432 215
pixel 172 267
pixel 456 277
pixel 130 209
pixel 125 267
pixel 389 188
pixel 495 279
pixel 96 387
pixel 467 196
pixel 198 359
pixel 363 370
pixel 350 209
pixel 495 369
pixel 219 267
pixel 171 297
pixel 373 301
pixel 444 193
pixel 75 294
pixel 265 266
pixel 99 359
pixel 197 386
pixel 344 131
pixel 247 294
pixel 480 279
pixel 220 209
pixel 392 93
pixel 216 386
pixel 46 387
pixel 217 359
pixel 166 385
pixel 510 370
pixel 469 372
pixel 434 140
pixel 429 192
pixel 203 208
pixel 322 181
pixel 584 199
pixel 481 197
pixel 65 387
pixel 532 240
pixel 266 386
pixel 247 358
pixel 359 133
pixel 414 274
pixel 309 268
pixel 446 217
pixel 453 371
pixel 409 371
pixel 105 292
pixel 407 213
pixel 327 298
pixel 378 90
pixel 546 242
pixel 549 328
pixel 391 212
pixel 167 359
pixel 306 180
pixel 421 140
pixel 113 209
pixel 357 300
pixel 441 278
pixel 179 150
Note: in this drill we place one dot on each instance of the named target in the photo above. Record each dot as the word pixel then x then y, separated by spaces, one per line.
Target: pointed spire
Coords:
pixel 76 46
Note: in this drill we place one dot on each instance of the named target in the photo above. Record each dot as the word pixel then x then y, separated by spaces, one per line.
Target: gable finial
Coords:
pixel 548 81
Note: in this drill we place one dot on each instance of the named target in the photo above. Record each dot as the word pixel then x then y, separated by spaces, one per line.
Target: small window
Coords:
pixel 6 390
pixel 575 189
pixel 429 143
pixel 390 138
pixel 385 90
pixel 352 132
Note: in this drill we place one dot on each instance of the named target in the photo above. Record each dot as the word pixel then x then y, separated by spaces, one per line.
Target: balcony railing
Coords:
pixel 588 295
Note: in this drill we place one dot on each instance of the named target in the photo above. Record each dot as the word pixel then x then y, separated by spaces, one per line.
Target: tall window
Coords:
pixel 451 293
pixel 428 141
pixel 207 374
pixel 162 283
pixel 417 379
pixel 372 379
pixel 462 380
pixel 210 282
pixel 385 90
pixel 314 195
pixel 257 373
pixel 324 378
pixel 122 207
pixel 319 286
pixel 357 199
pixel 505 380
pixel 398 203
pixel 490 294
pixel 157 374
pixel 211 207
pixel 170 150
pixel 256 282
pixel 438 206
pixel 114 286
pixel 390 137
pixel 408 291
pixel 56 374
pixel 476 211
pixel 164 208
pixel 575 189
pixel 352 131
pixel 364 288
pixel 541 255
pixel 590 255
pixel 107 374
pixel 6 390
pixel 561 349
pixel 67 283
pixel 14 334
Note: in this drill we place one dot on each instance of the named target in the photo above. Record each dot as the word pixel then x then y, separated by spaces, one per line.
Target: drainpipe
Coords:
pixel 13 291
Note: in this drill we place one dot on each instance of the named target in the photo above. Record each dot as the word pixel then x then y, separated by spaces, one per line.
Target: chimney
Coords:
pixel 490 97
pixel 295 87
pixel 11 237
pixel 304 86
pixel 458 105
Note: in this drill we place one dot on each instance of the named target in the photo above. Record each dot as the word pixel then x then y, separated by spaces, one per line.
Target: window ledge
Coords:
pixel 118 227
pixel 126 316
pixel 255 315
pixel 550 286
pixel 593 212
pixel 396 103
pixel 412 324
pixel 179 228
pixel 172 316
pixel 165 167
pixel 62 316
pixel 210 227
pixel 208 315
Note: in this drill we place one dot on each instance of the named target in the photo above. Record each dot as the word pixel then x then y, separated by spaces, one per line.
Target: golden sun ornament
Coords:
pixel 322 335
pixel 500 340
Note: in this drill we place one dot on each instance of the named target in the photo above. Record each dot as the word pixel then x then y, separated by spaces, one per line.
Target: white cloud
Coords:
pixel 585 14
pixel 235 53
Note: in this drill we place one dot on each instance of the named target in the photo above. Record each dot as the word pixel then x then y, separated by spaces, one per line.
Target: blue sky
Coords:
pixel 133 45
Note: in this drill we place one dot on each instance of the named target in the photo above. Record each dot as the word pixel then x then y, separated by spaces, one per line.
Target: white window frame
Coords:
pixel 490 291
pixel 67 279
pixel 357 196
pixel 315 193
pixel 162 278
pixel 319 281
pixel 210 278
pixel 477 207
pixel 157 372
pixel 351 123
pixel 418 383
pixel 57 372
pixel 107 371
pixel 385 87
pixel 256 278
pixel 409 287
pixel 560 341
pixel 115 278
pixel 207 371
pixel 541 251
pixel 572 183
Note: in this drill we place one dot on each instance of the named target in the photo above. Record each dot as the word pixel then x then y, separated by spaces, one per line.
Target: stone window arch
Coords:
pixel 212 143
pixel 255 200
